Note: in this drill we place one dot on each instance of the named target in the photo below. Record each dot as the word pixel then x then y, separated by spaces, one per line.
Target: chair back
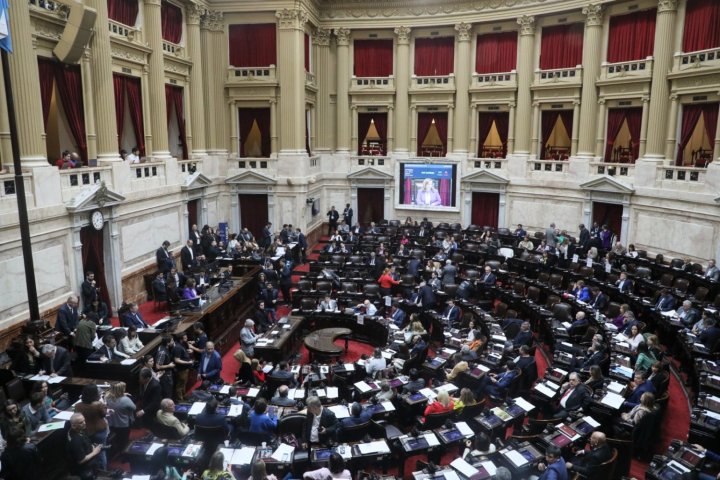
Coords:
pixel 371 290
pixel 701 294
pixel 349 287
pixel 353 434
pixel 681 285
pixel 307 304
pixel 304 285
pixel 356 259
pixel 666 279
pixel 169 433
pixel 451 290
pixel 623 460
pixel 469 412
pixel 501 310
pixel 642 272
pixel 254 439
pixel 292 423
pixel 493 264
pixel 677 263
pixel 606 469
pixel 324 286
pixel 436 420
pixel 15 390
pixel 613 310
pixel 533 293
pixel 337 259
pixel 562 312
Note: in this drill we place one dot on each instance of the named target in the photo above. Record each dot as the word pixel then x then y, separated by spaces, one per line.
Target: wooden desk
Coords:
pixel 322 342
pixel 281 345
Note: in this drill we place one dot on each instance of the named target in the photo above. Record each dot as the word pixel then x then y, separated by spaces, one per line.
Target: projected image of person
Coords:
pixel 428 194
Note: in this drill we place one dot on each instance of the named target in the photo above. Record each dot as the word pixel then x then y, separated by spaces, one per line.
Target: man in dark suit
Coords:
pixel 451 313
pixel 586 462
pixel 595 356
pixel 496 385
pixel 159 287
pixel 689 316
pixel 164 259
pixel 88 289
pixel 302 245
pixel 398 316
pixel 712 273
pixel 67 316
pixel 150 397
pixel 573 396
pixel 413 267
pixel 580 322
pixel 358 416
pixel 666 302
pixel 176 277
pixel 262 323
pixel 348 214
pixel 269 296
pixel 599 300
pixel 320 424
pixel 583 237
pixel 426 296
pixel 524 336
pixel 283 374
pixel 333 216
pixel 488 277
pixel 710 334
pixel 56 361
pixel 132 318
pixel 210 418
pixel 624 284
pixel 187 256
pixel 519 232
pixel 210 364
pixel 267 235
pixel 554 468
pixel 641 386
pixel 524 361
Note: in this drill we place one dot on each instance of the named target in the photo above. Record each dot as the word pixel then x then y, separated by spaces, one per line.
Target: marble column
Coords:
pixel 413 130
pixel 5 143
pixel 234 133
pixel 26 94
pixel 343 84
pixel 473 152
pixel 600 137
pixel 451 128
pixel 291 73
pixel 208 22
pixel 644 125
pixel 273 127
pixel 89 107
pixel 716 147
pixel 526 62
pixel 197 103
pixel 402 84
pixel 103 92
pixel 156 81
pixel 323 65
pixel 576 127
pixel 511 128
pixel 535 129
pixel 592 45
pixel 353 128
pixel 146 108
pixel 462 89
pixel 219 64
pixel 391 129
pixel 671 135
pixel 660 88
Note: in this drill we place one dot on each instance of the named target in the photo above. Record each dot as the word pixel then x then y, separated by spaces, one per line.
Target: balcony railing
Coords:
pixel 612 169
pixel 559 76
pixel 701 58
pixel 552 166
pixel 252 163
pixel 434 81
pixel 147 176
pixel 8 191
pixel 506 79
pixel 633 69
pixel 370 160
pixel 673 174
pixel 118 29
pixel 487 163
pixel 374 84
pixel 78 178
pixel 173 48
pixel 188 167
pixel 251 74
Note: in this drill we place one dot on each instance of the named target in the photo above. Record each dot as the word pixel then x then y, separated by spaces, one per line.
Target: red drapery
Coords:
pixel 373 58
pixel 172 22
pixel 119 87
pixel 252 45
pixel 441 123
pixel 46 69
pixel 174 97
pixel 407 191
pixel 547 123
pixel 561 46
pixel 632 36
pixel 307 52
pixel 710 112
pixel 485 209
pixel 246 118
pixel 616 117
pixel 69 85
pixel 134 96
pixel 424 123
pixel 123 11
pixel 496 52
pixel 485 121
pixel 702 25
pixel 434 56
pixel 502 123
pixel 381 127
pixel 444 191
pixel 634 119
pixel 93 261
pixel 254 212
pixel 364 121
pixel 691 115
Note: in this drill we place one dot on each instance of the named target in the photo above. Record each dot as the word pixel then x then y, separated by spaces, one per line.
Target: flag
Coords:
pixel 5 43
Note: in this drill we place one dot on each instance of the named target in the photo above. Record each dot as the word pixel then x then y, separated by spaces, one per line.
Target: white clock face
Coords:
pixel 97 220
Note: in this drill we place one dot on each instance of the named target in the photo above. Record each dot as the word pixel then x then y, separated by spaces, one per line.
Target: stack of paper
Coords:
pixel 340 411
pixel 46 427
pixel 332 392
pixel 524 404
pixel 465 429
pixel 516 458
pixel 349 367
pixel 235 410
pixel 64 415
pixel 283 453
pixel 153 448
pixel 431 439
pixel 388 406
pixel 378 446
pixel 363 386
pixel 464 467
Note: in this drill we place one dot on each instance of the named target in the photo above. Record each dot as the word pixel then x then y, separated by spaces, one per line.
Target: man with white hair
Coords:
pixel 248 338
pixel 56 361
pixel 688 315
pixel 84 456
pixel 449 272
pixel 573 396
pixel 166 416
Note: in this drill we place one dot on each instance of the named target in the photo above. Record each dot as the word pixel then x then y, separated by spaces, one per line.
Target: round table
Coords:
pixel 322 342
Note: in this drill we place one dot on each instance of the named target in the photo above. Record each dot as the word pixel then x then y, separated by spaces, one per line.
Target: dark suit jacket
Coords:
pixel 427 296
pixel 211 420
pixel 328 420
pixel 128 320
pixel 89 293
pixel 522 338
pixel 59 364
pixel 284 376
pixel 626 286
pixel 585 464
pixel 646 386
pixel 164 260
pixel 302 241
pixel 600 302
pixel 584 237
pixel 709 337
pixel 150 398
pixel 214 366
pixel 188 259
pixel 665 303
pixel 448 274
pixel 578 398
pixel 489 279
pixel 452 313
pixel 67 320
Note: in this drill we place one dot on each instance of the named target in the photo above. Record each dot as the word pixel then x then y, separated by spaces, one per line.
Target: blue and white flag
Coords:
pixel 5 43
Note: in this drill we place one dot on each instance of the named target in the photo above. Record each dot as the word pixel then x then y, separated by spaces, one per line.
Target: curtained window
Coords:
pixel 485 209
pixel 123 11
pixel 430 123
pixel 373 58
pixel 93 259
pixel 561 46
pixel 434 56
pixel 248 118
pixel 119 89
pixel 555 150
pixel 372 133
pixel 174 98
pixel 631 37
pixel 172 22
pixel 496 52
pixel 702 25
pixel 690 118
pixel 625 152
pixel 501 121
pixel 130 87
pixel 252 45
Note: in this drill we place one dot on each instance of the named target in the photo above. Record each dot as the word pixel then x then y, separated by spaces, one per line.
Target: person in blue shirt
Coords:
pixel 210 364
pixel 358 416
pixel 581 292
pixel 260 420
pixel 554 468
pixel 711 456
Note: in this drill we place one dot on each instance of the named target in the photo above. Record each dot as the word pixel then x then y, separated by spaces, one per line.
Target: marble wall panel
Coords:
pixel 50 275
pixel 143 237
pixel 662 232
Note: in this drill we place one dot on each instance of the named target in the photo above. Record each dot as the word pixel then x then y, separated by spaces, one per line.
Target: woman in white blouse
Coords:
pixel 131 344
pixel 635 337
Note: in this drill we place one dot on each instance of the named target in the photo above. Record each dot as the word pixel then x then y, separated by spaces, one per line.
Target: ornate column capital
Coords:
pixel 511 105
pixel 451 107
pixel 674 97
pixel 272 101
pixel 353 108
pixel 291 19
pixel 463 31
pixel 527 25
pixel 321 36
pixel 212 20
pixel 403 35
pixel 535 104
pixel 474 107
pixel 343 36
pixel 601 101
pixel 645 99
pixel 576 103
pixel 155 3
pixel 194 12
pixel 594 14
pixel 390 106
pixel 667 5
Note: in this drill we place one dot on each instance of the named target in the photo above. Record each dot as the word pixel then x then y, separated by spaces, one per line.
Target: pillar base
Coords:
pixel 161 155
pixel 107 158
pixel 34 162
pixel 198 153
pixel 651 158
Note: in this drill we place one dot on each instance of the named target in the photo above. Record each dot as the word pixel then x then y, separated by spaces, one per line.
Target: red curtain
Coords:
pixel 93 261
pixel 69 85
pixel 608 214
pixel 485 121
pixel 434 56
pixel 263 120
pixel 172 22
pixel 444 191
pixel 174 97
pixel 46 69
pixel 123 11
pixel 424 123
pixel 632 36
pixel 691 115
pixel 496 52
pixel 485 209
pixel 246 118
pixel 307 52
pixel 702 25
pixel 373 58
pixel 547 123
pixel 381 127
pixel 634 119
pixel 254 212
pixel 134 95
pixel 252 45
pixel 119 87
pixel 561 46
pixel 502 123
pixel 710 112
pixel 407 191
pixel 616 117
pixel 364 120
pixel 441 122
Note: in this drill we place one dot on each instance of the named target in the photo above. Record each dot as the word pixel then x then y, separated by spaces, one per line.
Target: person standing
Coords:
pixel 302 245
pixel 348 215
pixel 333 217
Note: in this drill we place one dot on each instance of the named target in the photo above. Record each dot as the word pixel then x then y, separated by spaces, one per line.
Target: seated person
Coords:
pixel 84 456
pixel 375 365
pixel 418 346
pixel 710 335
pixel 712 457
pixel 366 308
pixel 166 416
pixel 210 417
pixel 320 424
pixel 573 396
pixel 644 358
pixel 467 354
pixel 189 292
pixel 496 385
pixel 586 462
pixel 397 316
pixel 554 466
pixel 358 416
pixel 595 355
pixel 386 393
pixel 130 343
pixel 35 410
pixel 647 405
pixel 260 420
pixel 524 336
pixel 415 328
pixel 687 314
pixel 442 404
pixel 335 470
pixel 479 448
pixel 634 337
pixel 281 398
pixel 579 324
pixel 581 292
pixel 415 383
pixel 283 374
pixel 328 304
pixel 466 399
pixel 108 351
pixel 659 377
pixel 201 393
pixel 666 301
pixel 596 381
pixel 636 388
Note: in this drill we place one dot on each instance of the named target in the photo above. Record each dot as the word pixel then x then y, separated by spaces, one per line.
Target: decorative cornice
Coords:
pixel 403 35
pixel 667 6
pixel 194 12
pixel 343 36
pixel 321 36
pixel 291 19
pixel 527 25
pixel 463 31
pixel 594 14
pixel 212 20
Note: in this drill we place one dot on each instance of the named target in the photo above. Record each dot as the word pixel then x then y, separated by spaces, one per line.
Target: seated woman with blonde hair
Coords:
pixel 457 370
pixel 466 399
pixel 443 403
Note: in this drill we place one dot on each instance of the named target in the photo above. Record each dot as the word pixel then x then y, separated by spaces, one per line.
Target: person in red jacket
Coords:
pixel 443 403
pixel 386 283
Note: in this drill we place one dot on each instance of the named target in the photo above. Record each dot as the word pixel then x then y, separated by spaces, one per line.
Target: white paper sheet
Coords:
pixel 378 446
pixel 388 406
pixel 591 421
pixel 463 467
pixel 516 458
pixel 363 386
pixel 140 477
pixel 465 429
pixel 197 408
pixel 340 411
pixel 243 456
pixel 524 404
pixel 428 392
pixel 349 367
pixel 253 392
pixel 128 361
pixel 64 415
pixel 225 390
pixel 153 448
pixel 615 387
pixel 46 427
pixel 235 410
pixel 56 379
pixel 432 440
pixel 540 387
pixel 283 453
pixel 332 392
pixel 612 400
